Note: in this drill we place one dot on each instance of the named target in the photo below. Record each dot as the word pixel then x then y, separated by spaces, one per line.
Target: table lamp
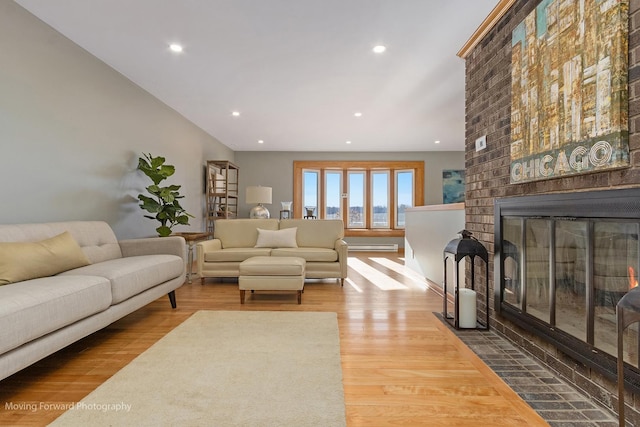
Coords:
pixel 259 195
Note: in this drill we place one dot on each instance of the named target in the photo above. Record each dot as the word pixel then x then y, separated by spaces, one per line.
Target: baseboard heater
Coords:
pixel 374 248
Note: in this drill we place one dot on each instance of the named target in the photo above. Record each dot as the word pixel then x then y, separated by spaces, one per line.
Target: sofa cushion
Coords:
pixel 316 233
pixel 130 276
pixel 277 238
pixel 34 308
pixel 30 260
pixel 235 254
pixel 272 266
pixel 309 254
pixel 241 233
pixel 96 238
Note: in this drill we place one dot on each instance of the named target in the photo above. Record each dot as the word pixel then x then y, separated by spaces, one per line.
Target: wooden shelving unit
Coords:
pixel 222 191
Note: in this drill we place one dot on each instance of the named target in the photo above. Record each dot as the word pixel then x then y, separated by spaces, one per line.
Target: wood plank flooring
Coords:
pixel 401 365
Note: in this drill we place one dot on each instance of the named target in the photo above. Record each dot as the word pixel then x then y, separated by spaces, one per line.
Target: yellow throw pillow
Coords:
pixel 29 260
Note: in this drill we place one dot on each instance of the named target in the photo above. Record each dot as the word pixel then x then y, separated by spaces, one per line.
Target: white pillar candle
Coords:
pixel 467 308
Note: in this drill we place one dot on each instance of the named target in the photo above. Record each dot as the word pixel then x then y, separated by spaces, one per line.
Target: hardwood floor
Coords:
pixel 401 365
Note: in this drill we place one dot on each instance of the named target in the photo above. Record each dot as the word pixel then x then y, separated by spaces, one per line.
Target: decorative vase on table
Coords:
pixel 286 206
pixel 285 212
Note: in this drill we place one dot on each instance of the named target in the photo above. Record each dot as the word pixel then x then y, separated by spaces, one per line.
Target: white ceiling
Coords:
pixel 296 70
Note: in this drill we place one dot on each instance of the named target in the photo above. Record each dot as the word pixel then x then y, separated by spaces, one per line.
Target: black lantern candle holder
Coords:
pixel 459 249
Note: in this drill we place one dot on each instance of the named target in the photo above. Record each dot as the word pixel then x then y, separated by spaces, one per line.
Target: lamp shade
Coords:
pixel 258 194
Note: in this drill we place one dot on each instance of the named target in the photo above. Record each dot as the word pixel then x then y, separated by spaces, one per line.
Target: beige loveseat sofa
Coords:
pixel 319 242
pixel 60 305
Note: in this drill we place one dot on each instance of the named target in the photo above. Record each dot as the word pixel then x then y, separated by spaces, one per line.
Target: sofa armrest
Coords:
pixel 203 247
pixel 343 253
pixel 171 245
pixel 208 246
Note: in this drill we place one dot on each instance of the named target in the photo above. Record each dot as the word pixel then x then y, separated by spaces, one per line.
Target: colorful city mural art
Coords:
pixel 569 92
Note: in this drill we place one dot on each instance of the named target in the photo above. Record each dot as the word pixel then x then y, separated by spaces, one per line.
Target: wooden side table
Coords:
pixel 191 238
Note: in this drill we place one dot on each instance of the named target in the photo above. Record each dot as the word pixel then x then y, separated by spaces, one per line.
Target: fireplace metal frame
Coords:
pixel 577 205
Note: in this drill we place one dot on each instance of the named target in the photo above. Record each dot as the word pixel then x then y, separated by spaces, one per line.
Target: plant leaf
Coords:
pixel 167 170
pixel 163 231
pixel 156 162
pixel 183 220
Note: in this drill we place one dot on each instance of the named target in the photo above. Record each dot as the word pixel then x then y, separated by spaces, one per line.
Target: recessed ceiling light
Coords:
pixel 437 142
pixel 379 49
pixel 260 141
pixel 348 142
pixel 175 47
pixel 358 114
pixel 235 113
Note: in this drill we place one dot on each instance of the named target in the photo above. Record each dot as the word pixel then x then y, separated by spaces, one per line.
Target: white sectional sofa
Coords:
pixel 319 242
pixel 41 315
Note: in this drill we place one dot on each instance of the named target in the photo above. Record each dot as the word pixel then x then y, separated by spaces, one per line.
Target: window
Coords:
pixel 404 194
pixel 333 195
pixel 370 197
pixel 356 196
pixel 380 199
pixel 310 196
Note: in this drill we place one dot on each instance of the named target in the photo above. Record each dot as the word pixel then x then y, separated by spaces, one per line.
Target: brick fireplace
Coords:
pixel 488 188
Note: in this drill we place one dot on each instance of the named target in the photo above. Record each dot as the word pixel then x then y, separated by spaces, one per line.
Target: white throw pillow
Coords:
pixel 285 238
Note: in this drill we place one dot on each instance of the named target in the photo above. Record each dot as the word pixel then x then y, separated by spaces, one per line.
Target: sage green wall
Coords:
pixel 72 129
pixel 275 169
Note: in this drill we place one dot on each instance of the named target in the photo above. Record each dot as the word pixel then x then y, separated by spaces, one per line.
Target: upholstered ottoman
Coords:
pixel 267 273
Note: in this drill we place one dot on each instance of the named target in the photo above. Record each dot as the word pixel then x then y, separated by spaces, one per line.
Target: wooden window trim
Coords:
pixel 322 165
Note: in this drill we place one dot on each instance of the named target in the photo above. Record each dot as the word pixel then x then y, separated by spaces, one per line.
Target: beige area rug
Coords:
pixel 227 368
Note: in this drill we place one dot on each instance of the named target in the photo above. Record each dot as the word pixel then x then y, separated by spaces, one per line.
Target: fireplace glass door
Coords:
pixel 615 269
pixel 572 312
pixel 569 274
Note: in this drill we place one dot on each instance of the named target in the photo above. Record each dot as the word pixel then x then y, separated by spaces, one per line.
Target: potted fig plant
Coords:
pixel 163 203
